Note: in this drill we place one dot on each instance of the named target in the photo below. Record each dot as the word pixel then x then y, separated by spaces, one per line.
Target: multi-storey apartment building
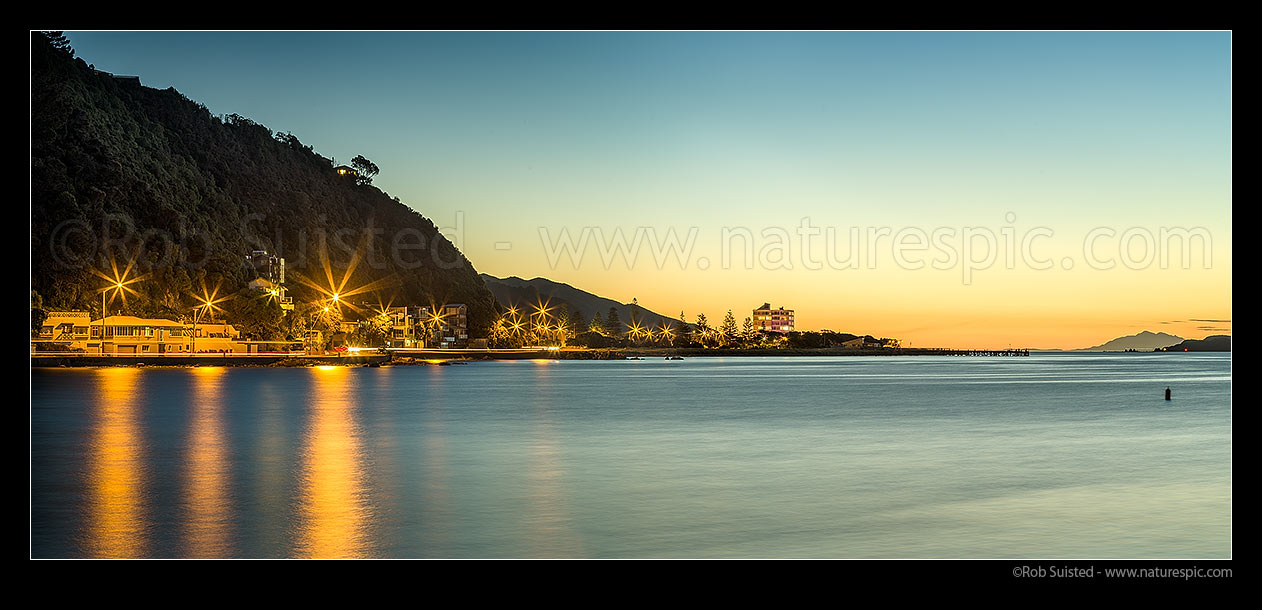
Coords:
pixel 778 320
pixel 450 326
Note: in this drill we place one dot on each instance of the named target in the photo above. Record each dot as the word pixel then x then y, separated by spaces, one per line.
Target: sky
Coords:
pixel 957 189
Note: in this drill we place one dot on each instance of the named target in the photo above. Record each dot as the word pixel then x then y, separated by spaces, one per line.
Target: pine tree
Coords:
pixel 564 330
pixel 597 325
pixel 577 323
pixel 60 42
pixel 728 332
pixel 701 329
pixel 613 325
pixel 748 334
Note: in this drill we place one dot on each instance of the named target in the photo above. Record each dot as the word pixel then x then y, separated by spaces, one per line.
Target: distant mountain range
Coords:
pixel 1144 341
pixel 516 292
pixel 1212 343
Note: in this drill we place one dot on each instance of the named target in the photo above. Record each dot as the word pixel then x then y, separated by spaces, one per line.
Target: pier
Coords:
pixel 989 352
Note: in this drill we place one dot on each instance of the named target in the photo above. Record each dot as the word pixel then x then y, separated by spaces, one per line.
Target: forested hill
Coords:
pixel 514 291
pixel 122 173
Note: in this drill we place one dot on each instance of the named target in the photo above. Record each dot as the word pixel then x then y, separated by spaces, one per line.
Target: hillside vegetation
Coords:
pixel 126 176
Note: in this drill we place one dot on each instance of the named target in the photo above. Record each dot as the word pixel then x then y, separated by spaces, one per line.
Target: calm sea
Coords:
pixel 1050 456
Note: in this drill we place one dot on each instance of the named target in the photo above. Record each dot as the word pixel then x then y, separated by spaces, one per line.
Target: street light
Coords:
pixel 118 286
pixel 206 305
pixel 118 282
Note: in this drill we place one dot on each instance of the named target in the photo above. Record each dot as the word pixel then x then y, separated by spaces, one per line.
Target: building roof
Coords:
pixel 134 321
pixel 68 314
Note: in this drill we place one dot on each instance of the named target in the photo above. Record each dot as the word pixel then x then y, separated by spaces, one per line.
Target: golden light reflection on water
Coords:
pixel 208 469
pixel 549 525
pixel 116 472
pixel 333 512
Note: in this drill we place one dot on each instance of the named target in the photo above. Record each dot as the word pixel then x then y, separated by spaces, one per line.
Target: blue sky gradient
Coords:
pixel 516 131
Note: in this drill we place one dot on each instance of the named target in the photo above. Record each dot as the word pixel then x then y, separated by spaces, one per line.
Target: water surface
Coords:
pixel 1054 455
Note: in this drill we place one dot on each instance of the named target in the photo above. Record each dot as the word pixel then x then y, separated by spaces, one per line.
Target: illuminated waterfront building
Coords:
pixel 449 326
pixel 63 331
pixel 76 332
pixel 779 320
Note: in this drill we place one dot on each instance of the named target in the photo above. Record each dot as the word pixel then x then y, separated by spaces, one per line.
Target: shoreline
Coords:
pixel 455 356
pixel 449 356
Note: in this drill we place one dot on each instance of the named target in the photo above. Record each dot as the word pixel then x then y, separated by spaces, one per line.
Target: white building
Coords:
pixel 62 331
pixel 74 331
pixel 133 335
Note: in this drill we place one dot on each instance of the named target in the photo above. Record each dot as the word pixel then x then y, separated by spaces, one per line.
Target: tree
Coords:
pixel 366 169
pixel 38 314
pixel 255 315
pixel 597 325
pixel 748 334
pixel 634 324
pixel 298 322
pixel 613 325
pixel 701 329
pixel 563 329
pixel 576 323
pixel 371 332
pixel 59 42
pixel 728 332
pixel 498 336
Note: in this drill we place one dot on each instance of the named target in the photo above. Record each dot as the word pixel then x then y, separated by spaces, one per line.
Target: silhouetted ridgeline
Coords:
pixel 1212 343
pixel 516 292
pixel 1143 341
pixel 187 195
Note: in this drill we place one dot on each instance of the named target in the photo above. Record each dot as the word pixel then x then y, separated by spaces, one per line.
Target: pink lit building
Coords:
pixel 779 320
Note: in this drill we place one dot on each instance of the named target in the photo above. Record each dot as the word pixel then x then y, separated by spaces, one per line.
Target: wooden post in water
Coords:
pixel 1167 393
